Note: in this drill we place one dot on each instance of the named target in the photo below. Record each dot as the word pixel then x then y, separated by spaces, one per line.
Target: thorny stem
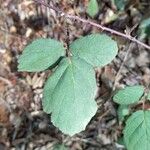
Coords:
pixel 103 28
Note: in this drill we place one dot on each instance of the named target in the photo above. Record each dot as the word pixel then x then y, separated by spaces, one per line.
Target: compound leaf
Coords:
pixel 137 131
pixel 93 8
pixel 69 95
pixel 129 95
pixel 40 54
pixel 95 49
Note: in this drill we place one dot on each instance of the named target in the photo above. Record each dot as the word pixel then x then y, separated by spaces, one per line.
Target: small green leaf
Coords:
pixel 60 147
pixel 121 141
pixel 95 49
pixel 120 4
pixel 69 95
pixel 40 55
pixel 144 28
pixel 93 8
pixel 129 95
pixel 137 131
pixel 123 111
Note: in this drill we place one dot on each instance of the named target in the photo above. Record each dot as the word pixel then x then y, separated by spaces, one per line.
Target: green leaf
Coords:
pixel 69 95
pixel 123 111
pixel 129 95
pixel 40 55
pixel 120 4
pixel 144 28
pixel 93 8
pixel 60 147
pixel 95 49
pixel 137 131
pixel 121 141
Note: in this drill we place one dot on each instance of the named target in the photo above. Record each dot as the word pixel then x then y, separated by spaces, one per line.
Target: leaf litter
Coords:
pixel 23 123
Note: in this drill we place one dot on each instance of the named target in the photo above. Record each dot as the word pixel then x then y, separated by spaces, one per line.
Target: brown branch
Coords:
pixel 128 49
pixel 129 37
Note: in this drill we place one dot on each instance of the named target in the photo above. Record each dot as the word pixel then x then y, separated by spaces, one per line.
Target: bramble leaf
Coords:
pixel 123 111
pixel 120 4
pixel 137 131
pixel 69 95
pixel 129 95
pixel 60 147
pixel 95 49
pixel 93 8
pixel 40 55
pixel 144 28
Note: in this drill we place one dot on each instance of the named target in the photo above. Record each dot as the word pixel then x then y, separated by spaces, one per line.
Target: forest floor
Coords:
pixel 23 124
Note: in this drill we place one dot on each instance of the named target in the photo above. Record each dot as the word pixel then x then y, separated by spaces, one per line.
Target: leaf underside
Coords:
pixel 69 95
pixel 129 95
pixel 95 49
pixel 137 131
pixel 40 55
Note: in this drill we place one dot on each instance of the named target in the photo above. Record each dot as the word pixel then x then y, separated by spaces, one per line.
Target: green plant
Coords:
pixel 120 4
pixel 144 28
pixel 92 8
pixel 69 91
pixel 137 129
pixel 60 147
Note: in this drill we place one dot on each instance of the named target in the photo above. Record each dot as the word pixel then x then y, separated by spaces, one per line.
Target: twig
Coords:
pixel 103 28
pixel 129 49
